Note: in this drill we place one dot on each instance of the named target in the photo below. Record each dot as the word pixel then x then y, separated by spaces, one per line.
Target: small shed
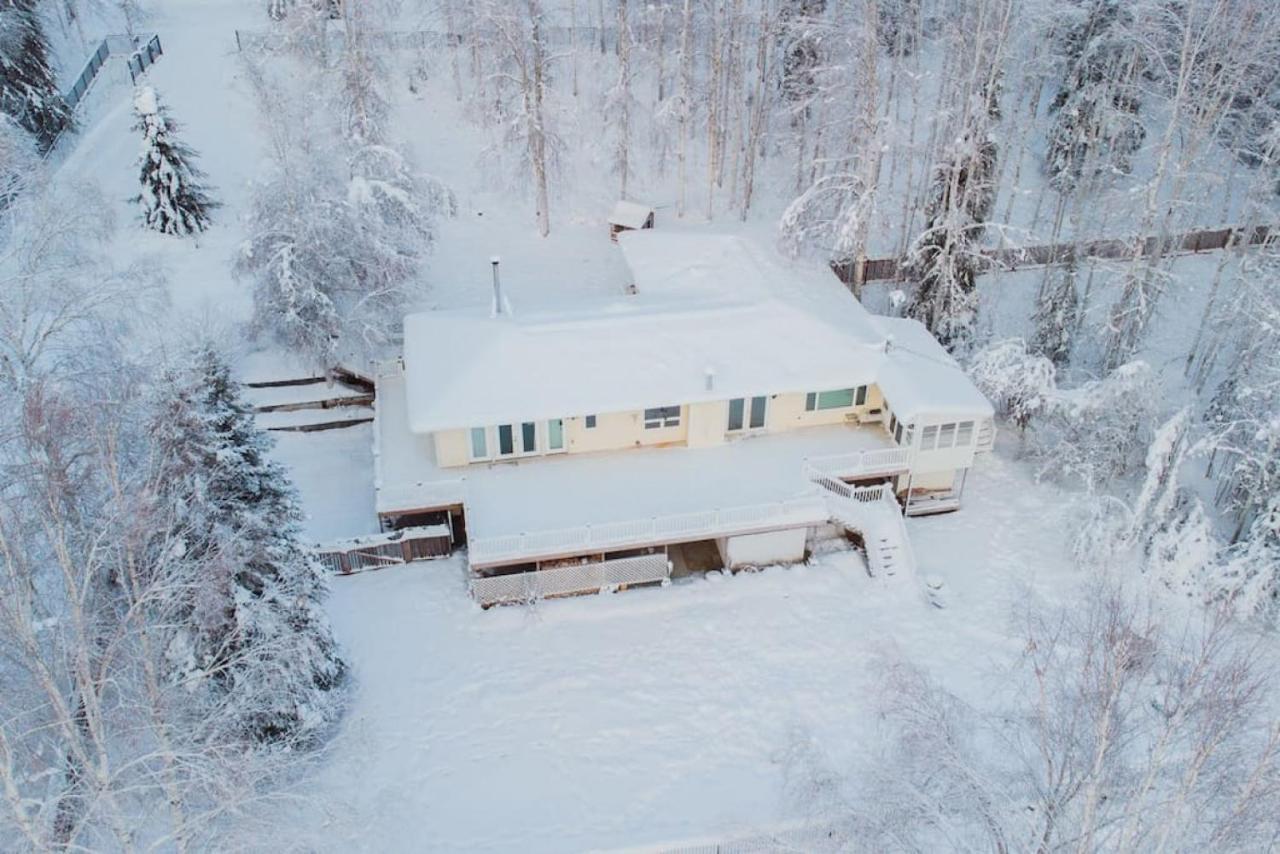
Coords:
pixel 627 216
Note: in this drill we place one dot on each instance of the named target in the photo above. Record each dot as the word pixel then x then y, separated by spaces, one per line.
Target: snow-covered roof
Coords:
pixel 919 378
pixel 703 303
pixel 630 214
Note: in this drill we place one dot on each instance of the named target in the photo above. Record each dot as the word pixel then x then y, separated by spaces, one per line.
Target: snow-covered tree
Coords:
pixel 517 36
pixel 1057 316
pixel 1248 575
pixel 1117 732
pixel 900 22
pixel 18 160
pixel 363 98
pixel 173 199
pixel 1165 457
pixel 1100 430
pixel 1020 384
pixel 944 260
pixel 334 252
pixel 1095 110
pixel 28 86
pixel 256 638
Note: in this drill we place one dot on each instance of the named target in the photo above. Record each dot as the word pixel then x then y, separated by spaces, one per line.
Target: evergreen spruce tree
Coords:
pixel 28 89
pixel 1057 316
pixel 1095 110
pixel 173 199
pixel 256 636
pixel 944 259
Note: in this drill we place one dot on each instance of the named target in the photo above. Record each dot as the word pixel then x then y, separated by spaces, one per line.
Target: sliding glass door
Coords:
pixel 753 415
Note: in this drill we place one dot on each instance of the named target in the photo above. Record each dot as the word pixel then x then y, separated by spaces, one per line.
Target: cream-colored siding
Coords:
pixel 617 430
pixel 451 448
pixel 930 479
pixel 701 425
pixel 707 422
pixel 787 412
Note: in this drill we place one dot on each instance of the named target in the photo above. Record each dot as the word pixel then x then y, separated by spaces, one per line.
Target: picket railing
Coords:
pixel 864 463
pixel 570 580
pixel 638 532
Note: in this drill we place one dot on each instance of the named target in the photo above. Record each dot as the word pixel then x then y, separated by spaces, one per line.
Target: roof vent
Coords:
pixel 711 378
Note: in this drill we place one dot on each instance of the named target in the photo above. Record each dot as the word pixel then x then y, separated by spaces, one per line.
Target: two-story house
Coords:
pixel 725 396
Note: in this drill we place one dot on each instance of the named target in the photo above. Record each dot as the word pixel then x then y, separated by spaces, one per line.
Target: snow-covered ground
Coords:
pixel 660 715
pixel 649 717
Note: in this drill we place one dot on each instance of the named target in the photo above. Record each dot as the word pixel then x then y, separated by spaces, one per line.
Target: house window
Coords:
pixel 662 416
pixel 506 440
pixel 838 399
pixel 758 407
pixel 897 434
pixel 529 437
pixel 591 422
pixel 737 413
pixel 860 398
pixel 893 424
pixel 929 437
pixel 947 436
pixel 964 434
pixel 479 443
pixel 555 435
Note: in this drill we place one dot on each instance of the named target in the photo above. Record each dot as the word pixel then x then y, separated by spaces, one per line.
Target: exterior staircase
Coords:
pixel 872 512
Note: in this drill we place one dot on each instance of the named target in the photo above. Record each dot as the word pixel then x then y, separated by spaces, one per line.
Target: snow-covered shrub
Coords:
pixel 1099 430
pixel 1019 384
pixel 1248 575
pixel 1182 549
pixel 1103 532
pixel 173 199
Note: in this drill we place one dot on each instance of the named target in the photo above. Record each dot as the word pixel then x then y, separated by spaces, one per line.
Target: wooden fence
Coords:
pixel 892 269
pixel 570 580
pixel 406 545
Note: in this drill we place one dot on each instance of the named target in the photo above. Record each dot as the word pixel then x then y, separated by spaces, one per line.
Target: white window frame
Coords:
pixel 663 419
pixel 564 439
pixel 471 444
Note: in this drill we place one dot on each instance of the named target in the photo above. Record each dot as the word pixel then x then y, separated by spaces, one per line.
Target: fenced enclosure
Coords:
pixel 406 545
pixel 1206 240
pixel 139 56
pixel 144 57
pixel 570 580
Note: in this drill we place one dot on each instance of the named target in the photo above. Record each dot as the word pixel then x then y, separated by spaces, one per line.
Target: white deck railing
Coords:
pixel 565 580
pixel 638 532
pixel 864 463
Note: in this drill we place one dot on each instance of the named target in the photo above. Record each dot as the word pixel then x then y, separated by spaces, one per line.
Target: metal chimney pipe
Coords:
pixel 497 286
pixel 711 379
